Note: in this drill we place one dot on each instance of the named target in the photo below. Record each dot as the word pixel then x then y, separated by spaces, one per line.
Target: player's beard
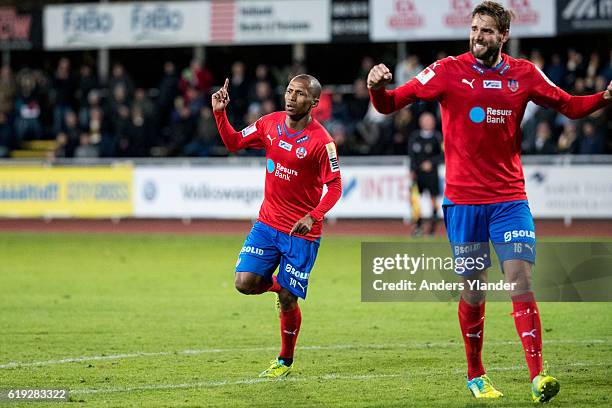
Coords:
pixel 489 54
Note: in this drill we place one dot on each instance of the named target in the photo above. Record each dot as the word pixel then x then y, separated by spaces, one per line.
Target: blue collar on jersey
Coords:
pixel 288 134
pixel 502 67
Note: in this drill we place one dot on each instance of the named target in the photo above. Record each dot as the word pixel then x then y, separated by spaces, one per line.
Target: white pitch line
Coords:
pixel 16 364
pixel 208 384
pixel 328 377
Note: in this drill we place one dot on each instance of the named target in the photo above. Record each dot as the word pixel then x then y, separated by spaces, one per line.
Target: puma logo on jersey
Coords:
pixel 470 83
pixel 293 333
pixel 271 139
pixel 474 335
pixel 529 333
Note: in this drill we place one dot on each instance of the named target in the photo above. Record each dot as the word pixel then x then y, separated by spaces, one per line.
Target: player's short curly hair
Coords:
pixel 501 15
pixel 314 86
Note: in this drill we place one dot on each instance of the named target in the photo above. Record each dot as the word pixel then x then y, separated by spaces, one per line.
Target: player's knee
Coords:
pixel 243 285
pixel 287 300
pixel 473 297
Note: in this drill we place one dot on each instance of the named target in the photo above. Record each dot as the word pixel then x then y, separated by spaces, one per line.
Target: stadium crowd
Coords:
pixel 118 119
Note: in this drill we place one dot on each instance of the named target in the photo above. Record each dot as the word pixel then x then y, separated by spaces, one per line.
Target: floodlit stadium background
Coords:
pixel 99 85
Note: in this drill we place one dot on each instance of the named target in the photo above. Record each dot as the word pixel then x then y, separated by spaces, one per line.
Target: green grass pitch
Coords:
pixel 135 320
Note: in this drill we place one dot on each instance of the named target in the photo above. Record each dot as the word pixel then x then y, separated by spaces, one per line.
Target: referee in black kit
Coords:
pixel 425 152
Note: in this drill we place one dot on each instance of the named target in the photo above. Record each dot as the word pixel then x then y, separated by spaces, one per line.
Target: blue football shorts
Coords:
pixel 509 226
pixel 266 248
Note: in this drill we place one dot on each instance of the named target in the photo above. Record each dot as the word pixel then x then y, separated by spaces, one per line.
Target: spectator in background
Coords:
pixel 537 59
pixel 62 93
pixel 574 68
pixel 205 139
pixel 134 140
pixel 344 142
pixel 143 103
pixel 555 71
pixel 323 111
pixel 87 83
pixel 543 143
pixel 70 128
pixel 358 103
pixel 120 77
pixel 261 93
pixel 168 91
pixel 6 135
pixel 407 69
pixel 98 131
pixel 61 150
pixel 367 63
pixel 239 89
pixel 591 140
pixel 196 76
pixel 118 97
pixel 7 93
pixel 606 71
pixel 27 108
pixel 262 74
pixel 403 126
pixel 568 140
pixel 375 131
pixel 85 149
pixel 93 101
pixel 592 70
pixel 181 129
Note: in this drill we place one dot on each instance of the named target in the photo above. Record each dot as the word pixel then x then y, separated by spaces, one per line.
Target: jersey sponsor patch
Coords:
pixel 425 75
pixel 284 145
pixel 249 130
pixel 332 155
pixel 302 139
pixel 491 84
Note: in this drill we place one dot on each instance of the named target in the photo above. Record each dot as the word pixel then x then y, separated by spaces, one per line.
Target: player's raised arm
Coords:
pixel 427 85
pixel 220 99
pixel 379 76
pixel 232 139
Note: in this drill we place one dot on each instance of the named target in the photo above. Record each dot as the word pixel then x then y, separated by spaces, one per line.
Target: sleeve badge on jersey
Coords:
pixel 249 130
pixel 332 155
pixel 425 75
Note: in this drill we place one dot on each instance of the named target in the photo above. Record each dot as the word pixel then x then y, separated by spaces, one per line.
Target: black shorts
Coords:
pixel 428 182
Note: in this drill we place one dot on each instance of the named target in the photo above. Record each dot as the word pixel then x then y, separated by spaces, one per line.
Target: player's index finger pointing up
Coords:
pixel 226 84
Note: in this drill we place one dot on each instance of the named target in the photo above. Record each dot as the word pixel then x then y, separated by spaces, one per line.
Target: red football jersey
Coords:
pixel 298 164
pixel 482 109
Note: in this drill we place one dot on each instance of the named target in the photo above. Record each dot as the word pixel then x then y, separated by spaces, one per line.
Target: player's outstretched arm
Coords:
pixel 232 139
pixel 580 106
pixel 546 93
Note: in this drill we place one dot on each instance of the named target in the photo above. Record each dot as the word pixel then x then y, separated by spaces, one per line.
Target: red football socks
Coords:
pixel 527 321
pixel 471 320
pixel 290 321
